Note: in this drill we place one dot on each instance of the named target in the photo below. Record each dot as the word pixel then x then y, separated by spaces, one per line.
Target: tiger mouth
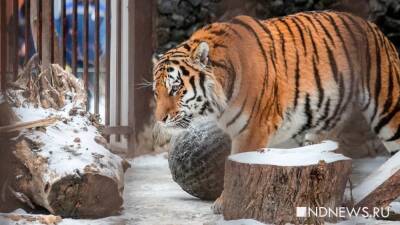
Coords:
pixel 181 122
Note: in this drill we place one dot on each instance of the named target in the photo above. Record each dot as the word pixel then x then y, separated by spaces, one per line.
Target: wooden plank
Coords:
pixel 116 149
pixel 15 33
pixel 3 45
pixel 85 45
pixel 381 187
pixel 120 130
pixel 74 36
pixel 52 34
pixel 140 51
pixel 39 28
pixel 33 18
pixel 10 40
pixel 30 124
pixel 46 33
pixel 118 67
pixel 27 30
pixel 96 57
pixel 63 34
pixel 107 62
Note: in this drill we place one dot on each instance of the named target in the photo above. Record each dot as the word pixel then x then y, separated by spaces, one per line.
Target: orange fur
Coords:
pixel 267 81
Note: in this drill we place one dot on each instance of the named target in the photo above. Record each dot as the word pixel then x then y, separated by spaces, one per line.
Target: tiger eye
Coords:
pixel 184 71
pixel 170 69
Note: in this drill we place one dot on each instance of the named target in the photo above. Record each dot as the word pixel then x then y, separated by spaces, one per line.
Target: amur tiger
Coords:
pixel 267 81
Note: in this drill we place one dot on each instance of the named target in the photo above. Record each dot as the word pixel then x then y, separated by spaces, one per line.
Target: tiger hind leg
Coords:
pixel 387 127
pixel 390 136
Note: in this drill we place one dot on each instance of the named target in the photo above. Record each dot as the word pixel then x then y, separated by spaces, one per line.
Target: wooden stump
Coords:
pixel 269 184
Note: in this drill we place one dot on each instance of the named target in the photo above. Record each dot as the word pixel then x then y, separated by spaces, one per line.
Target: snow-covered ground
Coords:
pixel 152 198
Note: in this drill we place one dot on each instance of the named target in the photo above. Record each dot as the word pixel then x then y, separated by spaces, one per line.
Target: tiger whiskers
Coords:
pixel 145 84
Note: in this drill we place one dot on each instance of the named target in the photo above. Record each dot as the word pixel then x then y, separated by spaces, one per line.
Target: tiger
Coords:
pixel 267 81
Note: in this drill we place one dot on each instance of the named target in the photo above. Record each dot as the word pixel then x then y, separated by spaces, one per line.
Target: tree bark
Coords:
pixel 271 192
pixel 58 163
pixel 381 187
pixel 90 193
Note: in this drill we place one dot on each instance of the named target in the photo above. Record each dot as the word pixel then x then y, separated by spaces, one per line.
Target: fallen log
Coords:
pixel 270 184
pixel 380 188
pixel 61 167
pixel 16 218
pixel 27 125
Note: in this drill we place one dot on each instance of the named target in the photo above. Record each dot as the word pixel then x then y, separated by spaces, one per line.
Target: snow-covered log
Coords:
pixel 18 218
pixel 269 184
pixel 64 169
pixel 381 187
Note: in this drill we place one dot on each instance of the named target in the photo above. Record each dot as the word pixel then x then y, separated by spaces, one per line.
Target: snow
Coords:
pixel 352 221
pixel 239 222
pixel 59 145
pixel 150 161
pixel 395 207
pixel 151 197
pixel 307 155
pixel 365 166
pixel 376 178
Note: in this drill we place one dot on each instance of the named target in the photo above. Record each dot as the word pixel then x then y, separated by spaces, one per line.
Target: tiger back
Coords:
pixel 295 77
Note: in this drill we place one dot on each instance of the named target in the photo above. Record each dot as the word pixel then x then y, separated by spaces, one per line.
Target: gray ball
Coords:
pixel 197 160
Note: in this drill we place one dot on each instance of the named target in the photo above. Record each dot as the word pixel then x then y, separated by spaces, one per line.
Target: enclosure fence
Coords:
pixel 77 35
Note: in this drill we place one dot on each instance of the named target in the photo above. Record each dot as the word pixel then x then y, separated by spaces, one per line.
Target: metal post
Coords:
pixel 140 51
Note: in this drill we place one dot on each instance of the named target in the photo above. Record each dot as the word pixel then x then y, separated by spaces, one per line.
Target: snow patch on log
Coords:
pixel 377 178
pixel 239 222
pixel 302 156
pixel 61 146
pixel 65 169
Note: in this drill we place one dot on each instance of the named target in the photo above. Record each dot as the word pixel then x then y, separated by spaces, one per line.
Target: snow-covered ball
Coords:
pixel 197 159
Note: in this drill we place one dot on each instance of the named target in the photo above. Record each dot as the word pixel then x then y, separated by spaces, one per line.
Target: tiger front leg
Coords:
pixel 314 138
pixel 250 140
pixel 217 206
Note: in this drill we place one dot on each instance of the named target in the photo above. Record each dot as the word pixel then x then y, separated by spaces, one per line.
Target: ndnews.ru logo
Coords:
pixel 342 212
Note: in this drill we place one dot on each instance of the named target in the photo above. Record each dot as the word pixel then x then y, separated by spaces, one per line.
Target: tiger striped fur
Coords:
pixel 268 81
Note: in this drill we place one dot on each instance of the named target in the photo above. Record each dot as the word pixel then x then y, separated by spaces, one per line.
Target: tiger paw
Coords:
pixel 392 153
pixel 308 142
pixel 217 207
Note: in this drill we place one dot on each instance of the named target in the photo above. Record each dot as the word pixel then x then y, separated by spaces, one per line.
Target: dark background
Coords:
pixel 176 20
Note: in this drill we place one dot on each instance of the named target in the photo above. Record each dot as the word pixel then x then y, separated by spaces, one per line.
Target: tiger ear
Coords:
pixel 155 58
pixel 200 54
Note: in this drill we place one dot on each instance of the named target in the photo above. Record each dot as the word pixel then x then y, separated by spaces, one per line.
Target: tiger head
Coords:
pixel 184 86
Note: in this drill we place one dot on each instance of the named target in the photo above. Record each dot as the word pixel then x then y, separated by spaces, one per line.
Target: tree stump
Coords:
pixel 269 184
